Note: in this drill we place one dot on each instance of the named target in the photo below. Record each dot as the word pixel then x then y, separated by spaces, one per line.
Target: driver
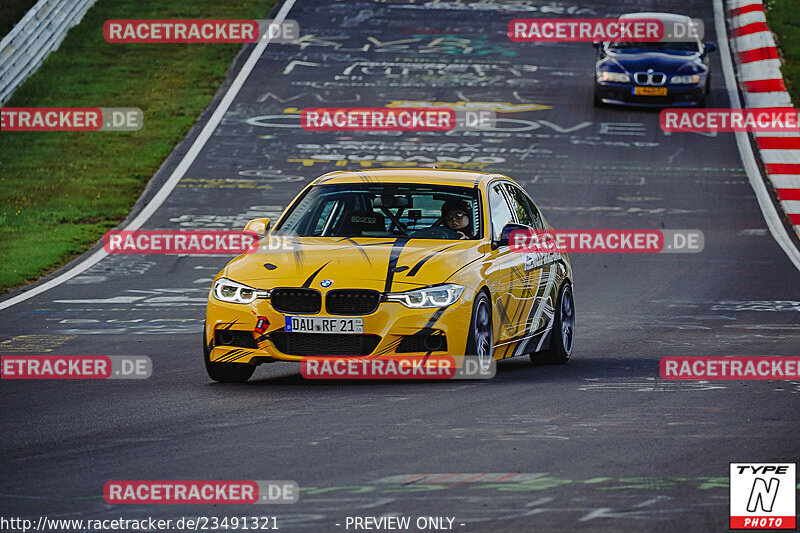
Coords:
pixel 456 216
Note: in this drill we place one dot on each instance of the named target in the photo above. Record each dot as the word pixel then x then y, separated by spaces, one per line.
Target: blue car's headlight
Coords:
pixel 618 77
pixel 227 290
pixel 438 296
pixel 688 79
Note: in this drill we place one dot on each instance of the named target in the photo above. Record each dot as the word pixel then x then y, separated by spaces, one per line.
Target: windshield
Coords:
pixel 385 210
pixel 682 48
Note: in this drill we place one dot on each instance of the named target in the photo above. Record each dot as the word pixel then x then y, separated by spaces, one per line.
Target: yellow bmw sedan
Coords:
pixel 387 263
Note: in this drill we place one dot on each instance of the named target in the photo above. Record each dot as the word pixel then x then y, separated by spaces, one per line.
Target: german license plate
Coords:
pixel 650 91
pixel 318 324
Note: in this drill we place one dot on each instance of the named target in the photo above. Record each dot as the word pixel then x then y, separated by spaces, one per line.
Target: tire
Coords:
pixel 480 341
pixel 562 335
pixel 597 102
pixel 706 93
pixel 225 372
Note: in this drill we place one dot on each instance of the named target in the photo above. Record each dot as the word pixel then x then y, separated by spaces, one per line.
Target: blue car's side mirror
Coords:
pixel 709 47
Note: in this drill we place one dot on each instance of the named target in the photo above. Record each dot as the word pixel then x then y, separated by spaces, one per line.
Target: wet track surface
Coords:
pixel 599 444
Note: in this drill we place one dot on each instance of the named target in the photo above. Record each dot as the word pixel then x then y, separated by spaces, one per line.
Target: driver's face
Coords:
pixel 456 219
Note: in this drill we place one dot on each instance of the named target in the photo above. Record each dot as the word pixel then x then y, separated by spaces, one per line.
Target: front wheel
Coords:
pixel 480 342
pixel 703 102
pixel 563 332
pixel 225 372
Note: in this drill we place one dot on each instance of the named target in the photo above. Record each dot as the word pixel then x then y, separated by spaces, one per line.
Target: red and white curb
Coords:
pixel 761 82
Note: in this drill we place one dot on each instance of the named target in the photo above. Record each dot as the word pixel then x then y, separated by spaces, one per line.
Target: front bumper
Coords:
pixel 392 330
pixel 677 95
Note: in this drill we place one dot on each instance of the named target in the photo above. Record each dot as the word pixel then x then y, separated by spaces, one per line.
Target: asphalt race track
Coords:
pixel 601 444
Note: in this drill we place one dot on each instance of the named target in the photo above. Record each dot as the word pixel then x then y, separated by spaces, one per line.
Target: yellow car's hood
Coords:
pixel 384 264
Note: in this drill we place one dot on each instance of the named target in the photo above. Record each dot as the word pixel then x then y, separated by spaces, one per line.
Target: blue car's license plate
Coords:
pixel 650 91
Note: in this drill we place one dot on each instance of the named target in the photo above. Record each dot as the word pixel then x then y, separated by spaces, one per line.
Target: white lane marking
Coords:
pixel 176 175
pixel 771 217
pixel 647 384
pixel 112 300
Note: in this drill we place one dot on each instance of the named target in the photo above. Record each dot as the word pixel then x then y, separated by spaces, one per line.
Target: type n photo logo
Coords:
pixel 763 496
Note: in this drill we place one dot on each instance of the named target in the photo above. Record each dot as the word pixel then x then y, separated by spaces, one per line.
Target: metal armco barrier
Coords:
pixel 39 32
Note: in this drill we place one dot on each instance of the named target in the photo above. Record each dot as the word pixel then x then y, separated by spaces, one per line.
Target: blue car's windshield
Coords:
pixel 681 48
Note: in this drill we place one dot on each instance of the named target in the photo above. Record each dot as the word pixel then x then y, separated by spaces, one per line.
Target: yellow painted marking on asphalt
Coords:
pixel 33 343
pixel 497 107
pixel 221 183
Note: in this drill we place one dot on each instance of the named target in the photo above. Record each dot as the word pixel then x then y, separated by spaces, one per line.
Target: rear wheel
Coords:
pixel 563 333
pixel 225 372
pixel 480 342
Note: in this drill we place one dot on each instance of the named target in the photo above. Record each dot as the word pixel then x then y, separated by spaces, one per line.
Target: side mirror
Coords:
pixel 600 50
pixel 258 226
pixel 506 232
pixel 710 47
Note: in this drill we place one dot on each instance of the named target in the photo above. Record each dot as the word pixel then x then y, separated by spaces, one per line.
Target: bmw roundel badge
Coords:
pixel 325 283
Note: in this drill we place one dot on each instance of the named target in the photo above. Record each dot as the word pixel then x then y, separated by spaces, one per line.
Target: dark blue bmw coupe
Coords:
pixel 653 74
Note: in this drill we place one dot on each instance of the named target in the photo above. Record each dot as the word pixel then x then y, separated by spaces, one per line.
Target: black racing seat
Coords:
pixel 356 223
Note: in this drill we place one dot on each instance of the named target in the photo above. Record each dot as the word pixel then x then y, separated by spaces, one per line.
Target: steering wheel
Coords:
pixel 436 232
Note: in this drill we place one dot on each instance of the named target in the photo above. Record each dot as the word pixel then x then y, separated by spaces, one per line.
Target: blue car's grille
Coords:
pixel 650 78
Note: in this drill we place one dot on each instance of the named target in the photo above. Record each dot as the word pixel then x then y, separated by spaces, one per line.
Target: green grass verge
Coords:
pixel 783 18
pixel 60 191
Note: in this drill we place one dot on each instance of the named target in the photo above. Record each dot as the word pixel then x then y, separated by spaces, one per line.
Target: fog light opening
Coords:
pixel 434 342
pixel 226 336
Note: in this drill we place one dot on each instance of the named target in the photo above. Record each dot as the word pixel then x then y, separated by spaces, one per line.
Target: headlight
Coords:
pixel 690 79
pixel 619 77
pixel 230 291
pixel 438 296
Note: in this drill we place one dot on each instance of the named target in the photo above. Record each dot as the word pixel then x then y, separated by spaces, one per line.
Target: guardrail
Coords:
pixel 39 32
